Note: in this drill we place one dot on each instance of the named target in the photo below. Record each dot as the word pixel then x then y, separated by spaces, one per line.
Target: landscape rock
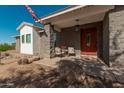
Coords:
pixel 19 61
pixel 7 54
pixel 32 59
pixel 118 85
pixel 36 58
pixel 23 61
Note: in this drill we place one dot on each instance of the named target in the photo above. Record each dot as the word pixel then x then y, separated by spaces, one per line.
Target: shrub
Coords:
pixel 5 47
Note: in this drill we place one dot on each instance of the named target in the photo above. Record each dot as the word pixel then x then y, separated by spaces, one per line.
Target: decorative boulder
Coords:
pixel 7 54
pixel 23 61
pixel 30 60
pixel 19 61
pixel 35 58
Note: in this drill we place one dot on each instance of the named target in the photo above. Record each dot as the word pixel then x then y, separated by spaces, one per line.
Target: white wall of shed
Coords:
pixel 26 48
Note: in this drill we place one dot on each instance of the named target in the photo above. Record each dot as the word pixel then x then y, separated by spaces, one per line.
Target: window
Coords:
pixel 28 38
pixel 54 36
pixel 88 40
pixel 23 39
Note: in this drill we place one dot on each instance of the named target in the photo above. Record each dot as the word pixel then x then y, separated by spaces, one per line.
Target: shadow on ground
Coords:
pixel 69 73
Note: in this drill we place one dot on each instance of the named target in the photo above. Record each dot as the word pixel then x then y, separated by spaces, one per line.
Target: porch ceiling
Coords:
pixel 84 20
pixel 93 13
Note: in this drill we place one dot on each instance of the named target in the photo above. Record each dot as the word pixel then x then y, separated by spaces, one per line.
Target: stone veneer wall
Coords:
pixel 48 42
pixel 116 38
pixel 52 41
pixel 45 42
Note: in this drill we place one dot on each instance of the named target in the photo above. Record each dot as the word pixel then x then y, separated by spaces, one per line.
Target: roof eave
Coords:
pixel 62 12
pixel 28 24
pixel 22 24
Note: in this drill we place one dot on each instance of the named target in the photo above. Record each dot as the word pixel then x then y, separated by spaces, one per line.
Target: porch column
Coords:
pixel 47 42
pixel 116 38
pixel 105 37
pixel 52 41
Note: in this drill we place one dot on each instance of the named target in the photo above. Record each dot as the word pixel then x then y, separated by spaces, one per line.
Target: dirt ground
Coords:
pixel 40 76
pixel 10 70
pixel 67 75
pixel 57 73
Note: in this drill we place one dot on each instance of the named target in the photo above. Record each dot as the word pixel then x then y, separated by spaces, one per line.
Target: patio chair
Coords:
pixel 71 51
pixel 58 51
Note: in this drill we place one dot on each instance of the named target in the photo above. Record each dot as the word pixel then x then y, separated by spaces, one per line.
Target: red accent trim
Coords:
pixel 89 53
pixel 32 12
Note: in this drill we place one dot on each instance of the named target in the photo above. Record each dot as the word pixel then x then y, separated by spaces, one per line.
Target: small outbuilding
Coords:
pixel 29 39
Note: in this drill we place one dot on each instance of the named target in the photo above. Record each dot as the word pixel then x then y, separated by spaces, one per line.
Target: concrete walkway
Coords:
pixel 48 62
pixel 53 61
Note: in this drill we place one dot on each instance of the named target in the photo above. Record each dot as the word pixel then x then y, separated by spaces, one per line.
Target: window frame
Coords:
pixel 23 39
pixel 88 39
pixel 28 39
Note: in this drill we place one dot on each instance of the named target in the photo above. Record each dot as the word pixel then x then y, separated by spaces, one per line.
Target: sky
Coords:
pixel 11 16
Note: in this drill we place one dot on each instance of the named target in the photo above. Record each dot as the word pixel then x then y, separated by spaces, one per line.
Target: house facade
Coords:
pixel 90 29
pixel 100 32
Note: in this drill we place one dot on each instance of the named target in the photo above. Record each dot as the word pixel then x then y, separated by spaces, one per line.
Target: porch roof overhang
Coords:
pixel 85 14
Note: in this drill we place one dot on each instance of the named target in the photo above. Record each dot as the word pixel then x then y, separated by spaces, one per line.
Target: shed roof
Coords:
pixel 28 24
pixel 16 36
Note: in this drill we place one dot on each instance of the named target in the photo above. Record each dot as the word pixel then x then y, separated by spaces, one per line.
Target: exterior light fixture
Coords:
pixel 77 27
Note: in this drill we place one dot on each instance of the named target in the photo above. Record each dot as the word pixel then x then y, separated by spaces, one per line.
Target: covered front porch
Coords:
pixel 82 29
pixel 87 40
pixel 85 28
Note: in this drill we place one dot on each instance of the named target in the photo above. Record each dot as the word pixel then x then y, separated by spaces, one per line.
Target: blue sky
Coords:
pixel 12 16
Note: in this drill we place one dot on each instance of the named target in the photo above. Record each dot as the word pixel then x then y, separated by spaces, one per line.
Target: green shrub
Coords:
pixel 5 47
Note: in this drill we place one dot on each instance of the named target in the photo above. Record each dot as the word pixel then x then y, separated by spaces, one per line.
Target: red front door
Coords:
pixel 89 40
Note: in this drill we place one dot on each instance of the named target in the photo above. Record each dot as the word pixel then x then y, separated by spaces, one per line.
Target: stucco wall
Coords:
pixel 99 40
pixel 71 38
pixel 105 55
pixel 116 38
pixel 36 43
pixel 26 48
